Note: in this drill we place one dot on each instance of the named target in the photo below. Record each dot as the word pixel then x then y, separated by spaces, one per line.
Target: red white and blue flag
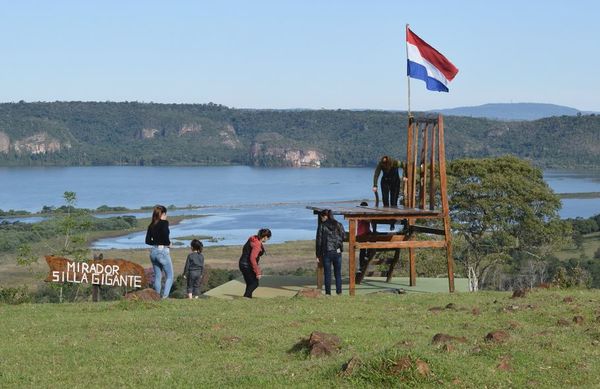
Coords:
pixel 427 64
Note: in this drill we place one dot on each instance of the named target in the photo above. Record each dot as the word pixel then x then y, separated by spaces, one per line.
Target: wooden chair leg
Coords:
pixel 411 266
pixel 320 275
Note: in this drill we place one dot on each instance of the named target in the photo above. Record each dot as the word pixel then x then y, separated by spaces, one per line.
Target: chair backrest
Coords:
pixel 425 185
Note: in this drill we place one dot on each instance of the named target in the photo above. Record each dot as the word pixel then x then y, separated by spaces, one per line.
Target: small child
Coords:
pixel 194 267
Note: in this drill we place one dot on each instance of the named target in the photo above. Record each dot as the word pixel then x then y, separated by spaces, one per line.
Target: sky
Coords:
pixel 298 54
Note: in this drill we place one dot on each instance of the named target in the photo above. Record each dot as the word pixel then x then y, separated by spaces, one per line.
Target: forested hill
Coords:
pixel 512 111
pixel 90 133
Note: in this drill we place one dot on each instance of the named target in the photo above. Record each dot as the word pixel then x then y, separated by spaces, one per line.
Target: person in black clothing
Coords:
pixel 329 245
pixel 157 236
pixel 194 267
pixel 390 180
pixel 251 253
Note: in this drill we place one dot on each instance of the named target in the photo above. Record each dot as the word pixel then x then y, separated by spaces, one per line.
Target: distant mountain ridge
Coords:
pixel 512 111
pixel 132 133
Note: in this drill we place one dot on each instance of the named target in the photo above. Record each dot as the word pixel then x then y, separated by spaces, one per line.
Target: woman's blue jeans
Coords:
pixel 161 261
pixel 333 258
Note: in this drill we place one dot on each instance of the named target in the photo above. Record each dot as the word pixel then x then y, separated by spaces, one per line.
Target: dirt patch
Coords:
pixel 349 367
pixel 318 344
pixel 147 294
pixel 499 336
pixel 309 293
pixel 519 293
pixel 445 338
pixel 406 364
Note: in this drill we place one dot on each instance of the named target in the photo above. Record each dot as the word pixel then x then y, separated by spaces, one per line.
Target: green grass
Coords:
pixel 250 343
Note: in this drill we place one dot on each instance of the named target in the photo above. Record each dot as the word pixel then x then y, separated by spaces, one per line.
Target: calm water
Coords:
pixel 237 199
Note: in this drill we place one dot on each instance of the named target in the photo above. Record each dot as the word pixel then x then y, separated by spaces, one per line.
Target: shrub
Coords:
pixel 18 295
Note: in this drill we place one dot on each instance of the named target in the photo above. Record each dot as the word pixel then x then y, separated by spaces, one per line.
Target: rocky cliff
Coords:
pixel 40 143
pixel 286 156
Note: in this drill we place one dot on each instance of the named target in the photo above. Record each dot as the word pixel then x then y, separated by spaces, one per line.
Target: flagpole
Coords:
pixel 407 76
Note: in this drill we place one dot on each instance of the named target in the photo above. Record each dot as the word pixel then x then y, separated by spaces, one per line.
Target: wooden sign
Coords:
pixel 110 272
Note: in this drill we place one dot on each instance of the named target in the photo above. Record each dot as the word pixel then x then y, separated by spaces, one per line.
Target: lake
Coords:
pixel 237 199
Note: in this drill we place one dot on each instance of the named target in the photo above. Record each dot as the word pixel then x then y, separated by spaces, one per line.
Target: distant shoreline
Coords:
pixel 580 195
pixel 148 209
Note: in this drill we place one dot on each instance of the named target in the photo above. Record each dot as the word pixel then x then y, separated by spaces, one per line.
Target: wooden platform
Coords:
pixel 405 239
pixel 378 213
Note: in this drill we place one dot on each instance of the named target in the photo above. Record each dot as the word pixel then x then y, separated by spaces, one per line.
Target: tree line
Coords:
pixel 132 133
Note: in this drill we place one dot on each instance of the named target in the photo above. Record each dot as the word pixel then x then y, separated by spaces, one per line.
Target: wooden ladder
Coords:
pixel 364 267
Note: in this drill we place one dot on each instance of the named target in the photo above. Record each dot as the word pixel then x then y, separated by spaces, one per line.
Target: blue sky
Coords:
pixel 298 54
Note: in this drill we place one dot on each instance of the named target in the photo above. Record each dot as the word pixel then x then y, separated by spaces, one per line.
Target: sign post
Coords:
pixel 109 272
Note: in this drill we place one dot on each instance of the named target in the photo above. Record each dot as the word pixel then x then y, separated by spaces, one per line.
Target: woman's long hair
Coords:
pixel 386 163
pixel 329 214
pixel 157 213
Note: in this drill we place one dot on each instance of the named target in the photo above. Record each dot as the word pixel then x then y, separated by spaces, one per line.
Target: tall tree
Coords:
pixel 502 208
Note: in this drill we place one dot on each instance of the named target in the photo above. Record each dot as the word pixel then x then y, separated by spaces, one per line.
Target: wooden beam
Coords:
pixel 445 207
pixel 320 269
pixel 320 275
pixel 432 172
pixel 413 195
pixel 409 162
pixel 352 254
pixel 412 271
pixel 423 181
pixel 402 244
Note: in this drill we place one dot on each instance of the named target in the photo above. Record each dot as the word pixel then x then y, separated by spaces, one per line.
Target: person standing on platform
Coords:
pixel 329 246
pixel 390 180
pixel 251 253
pixel 157 236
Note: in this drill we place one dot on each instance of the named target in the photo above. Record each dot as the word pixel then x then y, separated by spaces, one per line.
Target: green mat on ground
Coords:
pixel 288 286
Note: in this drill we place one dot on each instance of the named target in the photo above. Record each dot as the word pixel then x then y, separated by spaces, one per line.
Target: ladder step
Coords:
pixel 376 274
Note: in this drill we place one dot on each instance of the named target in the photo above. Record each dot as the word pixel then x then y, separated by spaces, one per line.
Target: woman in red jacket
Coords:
pixel 251 253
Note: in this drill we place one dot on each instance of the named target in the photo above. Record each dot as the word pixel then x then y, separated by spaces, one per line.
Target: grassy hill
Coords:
pixel 258 343
pixel 131 133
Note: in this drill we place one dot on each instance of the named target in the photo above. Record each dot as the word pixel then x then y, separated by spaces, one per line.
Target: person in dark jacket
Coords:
pixel 390 180
pixel 157 236
pixel 194 267
pixel 251 253
pixel 329 246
